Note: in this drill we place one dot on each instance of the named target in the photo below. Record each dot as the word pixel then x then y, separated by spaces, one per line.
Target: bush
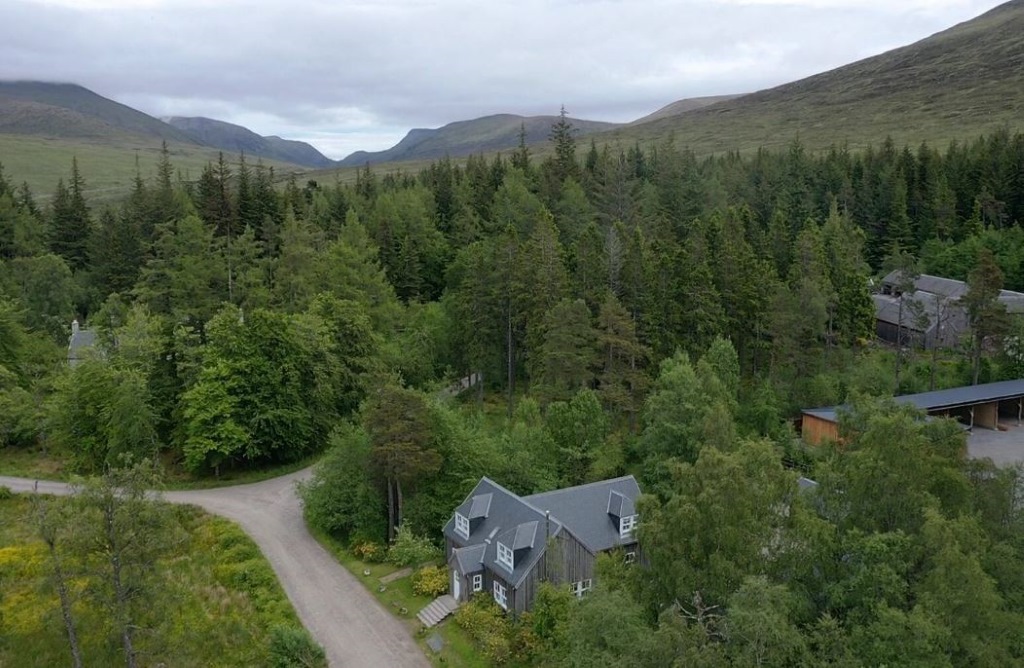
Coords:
pixel 430 581
pixel 410 549
pixel 370 552
pixel 340 499
pixel 6 494
pixel 490 629
pixel 294 648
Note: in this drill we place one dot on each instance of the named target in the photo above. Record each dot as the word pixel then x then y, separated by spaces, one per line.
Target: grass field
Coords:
pixel 397 597
pixel 108 167
pixel 218 600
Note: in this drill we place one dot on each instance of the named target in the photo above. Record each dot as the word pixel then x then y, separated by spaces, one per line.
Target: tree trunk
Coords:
pixel 120 591
pixel 398 502
pixel 899 343
pixel 60 580
pixel 391 510
pixel 510 370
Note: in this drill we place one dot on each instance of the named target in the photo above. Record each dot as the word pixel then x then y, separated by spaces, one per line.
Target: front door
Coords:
pixel 456 581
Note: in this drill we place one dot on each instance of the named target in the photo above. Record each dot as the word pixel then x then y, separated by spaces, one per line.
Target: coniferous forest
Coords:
pixel 631 310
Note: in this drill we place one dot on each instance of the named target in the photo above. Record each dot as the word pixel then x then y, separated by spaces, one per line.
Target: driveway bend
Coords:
pixel 353 628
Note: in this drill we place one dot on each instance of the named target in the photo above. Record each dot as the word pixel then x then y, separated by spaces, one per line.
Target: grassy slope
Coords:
pixel 957 84
pixel 108 166
pixel 462 138
pixel 71 111
pixel 222 596
pixel 683 106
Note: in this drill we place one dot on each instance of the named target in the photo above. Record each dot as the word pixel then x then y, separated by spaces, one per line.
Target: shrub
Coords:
pixel 409 549
pixel 430 581
pixel 370 552
pixel 5 494
pixel 294 648
pixel 490 629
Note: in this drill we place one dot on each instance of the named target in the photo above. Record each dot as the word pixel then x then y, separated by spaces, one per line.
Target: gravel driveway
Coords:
pixel 342 616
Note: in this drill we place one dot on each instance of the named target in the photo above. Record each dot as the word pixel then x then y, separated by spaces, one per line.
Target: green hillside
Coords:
pixel 462 138
pixel 43 126
pixel 957 84
pixel 71 111
pixel 108 168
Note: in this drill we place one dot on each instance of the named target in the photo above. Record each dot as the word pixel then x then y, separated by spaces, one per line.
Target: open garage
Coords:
pixel 992 413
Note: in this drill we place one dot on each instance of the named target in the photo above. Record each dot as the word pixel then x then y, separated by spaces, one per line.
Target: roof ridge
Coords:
pixel 588 484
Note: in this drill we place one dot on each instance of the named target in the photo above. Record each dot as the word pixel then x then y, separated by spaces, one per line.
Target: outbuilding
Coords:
pixel 972 405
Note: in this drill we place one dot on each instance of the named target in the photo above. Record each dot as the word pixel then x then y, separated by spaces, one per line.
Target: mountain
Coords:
pixel 683 106
pixel 956 84
pixel 64 110
pixel 482 135
pixel 237 139
pixel 44 126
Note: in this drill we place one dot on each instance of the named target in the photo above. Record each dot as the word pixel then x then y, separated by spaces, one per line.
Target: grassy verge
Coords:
pixel 458 648
pixel 37 463
pixel 217 602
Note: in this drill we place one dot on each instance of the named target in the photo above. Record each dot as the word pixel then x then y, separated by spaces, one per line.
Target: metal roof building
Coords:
pixel 974 405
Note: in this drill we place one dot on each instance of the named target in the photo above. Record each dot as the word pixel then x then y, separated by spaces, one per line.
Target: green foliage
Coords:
pixel 339 499
pixel 6 494
pixel 264 382
pixel 430 581
pixel 409 549
pixel 370 552
pixel 292 647
pixel 489 628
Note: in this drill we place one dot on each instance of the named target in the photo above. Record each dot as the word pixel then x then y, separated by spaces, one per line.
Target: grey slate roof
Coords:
pixel 524 537
pixel 506 513
pixel 471 558
pixel 524 524
pixel 480 507
pixel 954 290
pixel 887 309
pixel 584 510
pixel 943 399
pixel 80 342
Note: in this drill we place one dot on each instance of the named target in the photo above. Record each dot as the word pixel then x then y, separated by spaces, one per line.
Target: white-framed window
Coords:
pixel 505 557
pixel 630 557
pixel 462 525
pixel 580 588
pixel 499 595
pixel 478 582
pixel 626 526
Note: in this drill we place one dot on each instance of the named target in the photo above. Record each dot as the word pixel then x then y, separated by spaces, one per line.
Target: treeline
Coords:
pixel 580 271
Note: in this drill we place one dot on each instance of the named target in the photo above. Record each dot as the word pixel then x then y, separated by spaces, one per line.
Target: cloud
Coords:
pixel 358 74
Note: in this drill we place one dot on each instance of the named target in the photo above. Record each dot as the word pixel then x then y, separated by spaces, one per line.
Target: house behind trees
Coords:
pixel 503 545
pixel 932 314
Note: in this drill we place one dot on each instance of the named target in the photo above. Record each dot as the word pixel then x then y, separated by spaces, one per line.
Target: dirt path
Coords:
pixel 342 616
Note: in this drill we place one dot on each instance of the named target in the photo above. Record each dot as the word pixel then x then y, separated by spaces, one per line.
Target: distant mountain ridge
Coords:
pixel 71 112
pixel 238 139
pixel 462 138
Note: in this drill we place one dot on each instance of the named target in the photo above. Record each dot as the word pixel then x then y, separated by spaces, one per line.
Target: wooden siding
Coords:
pixel 815 430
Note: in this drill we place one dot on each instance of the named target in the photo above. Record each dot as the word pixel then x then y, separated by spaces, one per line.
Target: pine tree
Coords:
pixel 70 223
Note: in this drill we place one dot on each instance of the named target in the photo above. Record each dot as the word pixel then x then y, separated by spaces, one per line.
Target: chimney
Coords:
pixel 74 326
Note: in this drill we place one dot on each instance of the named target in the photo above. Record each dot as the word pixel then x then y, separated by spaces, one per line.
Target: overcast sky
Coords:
pixel 347 75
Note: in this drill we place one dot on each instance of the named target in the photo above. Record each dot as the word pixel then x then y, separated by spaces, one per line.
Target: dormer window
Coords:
pixel 462 525
pixel 626 526
pixel 505 557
